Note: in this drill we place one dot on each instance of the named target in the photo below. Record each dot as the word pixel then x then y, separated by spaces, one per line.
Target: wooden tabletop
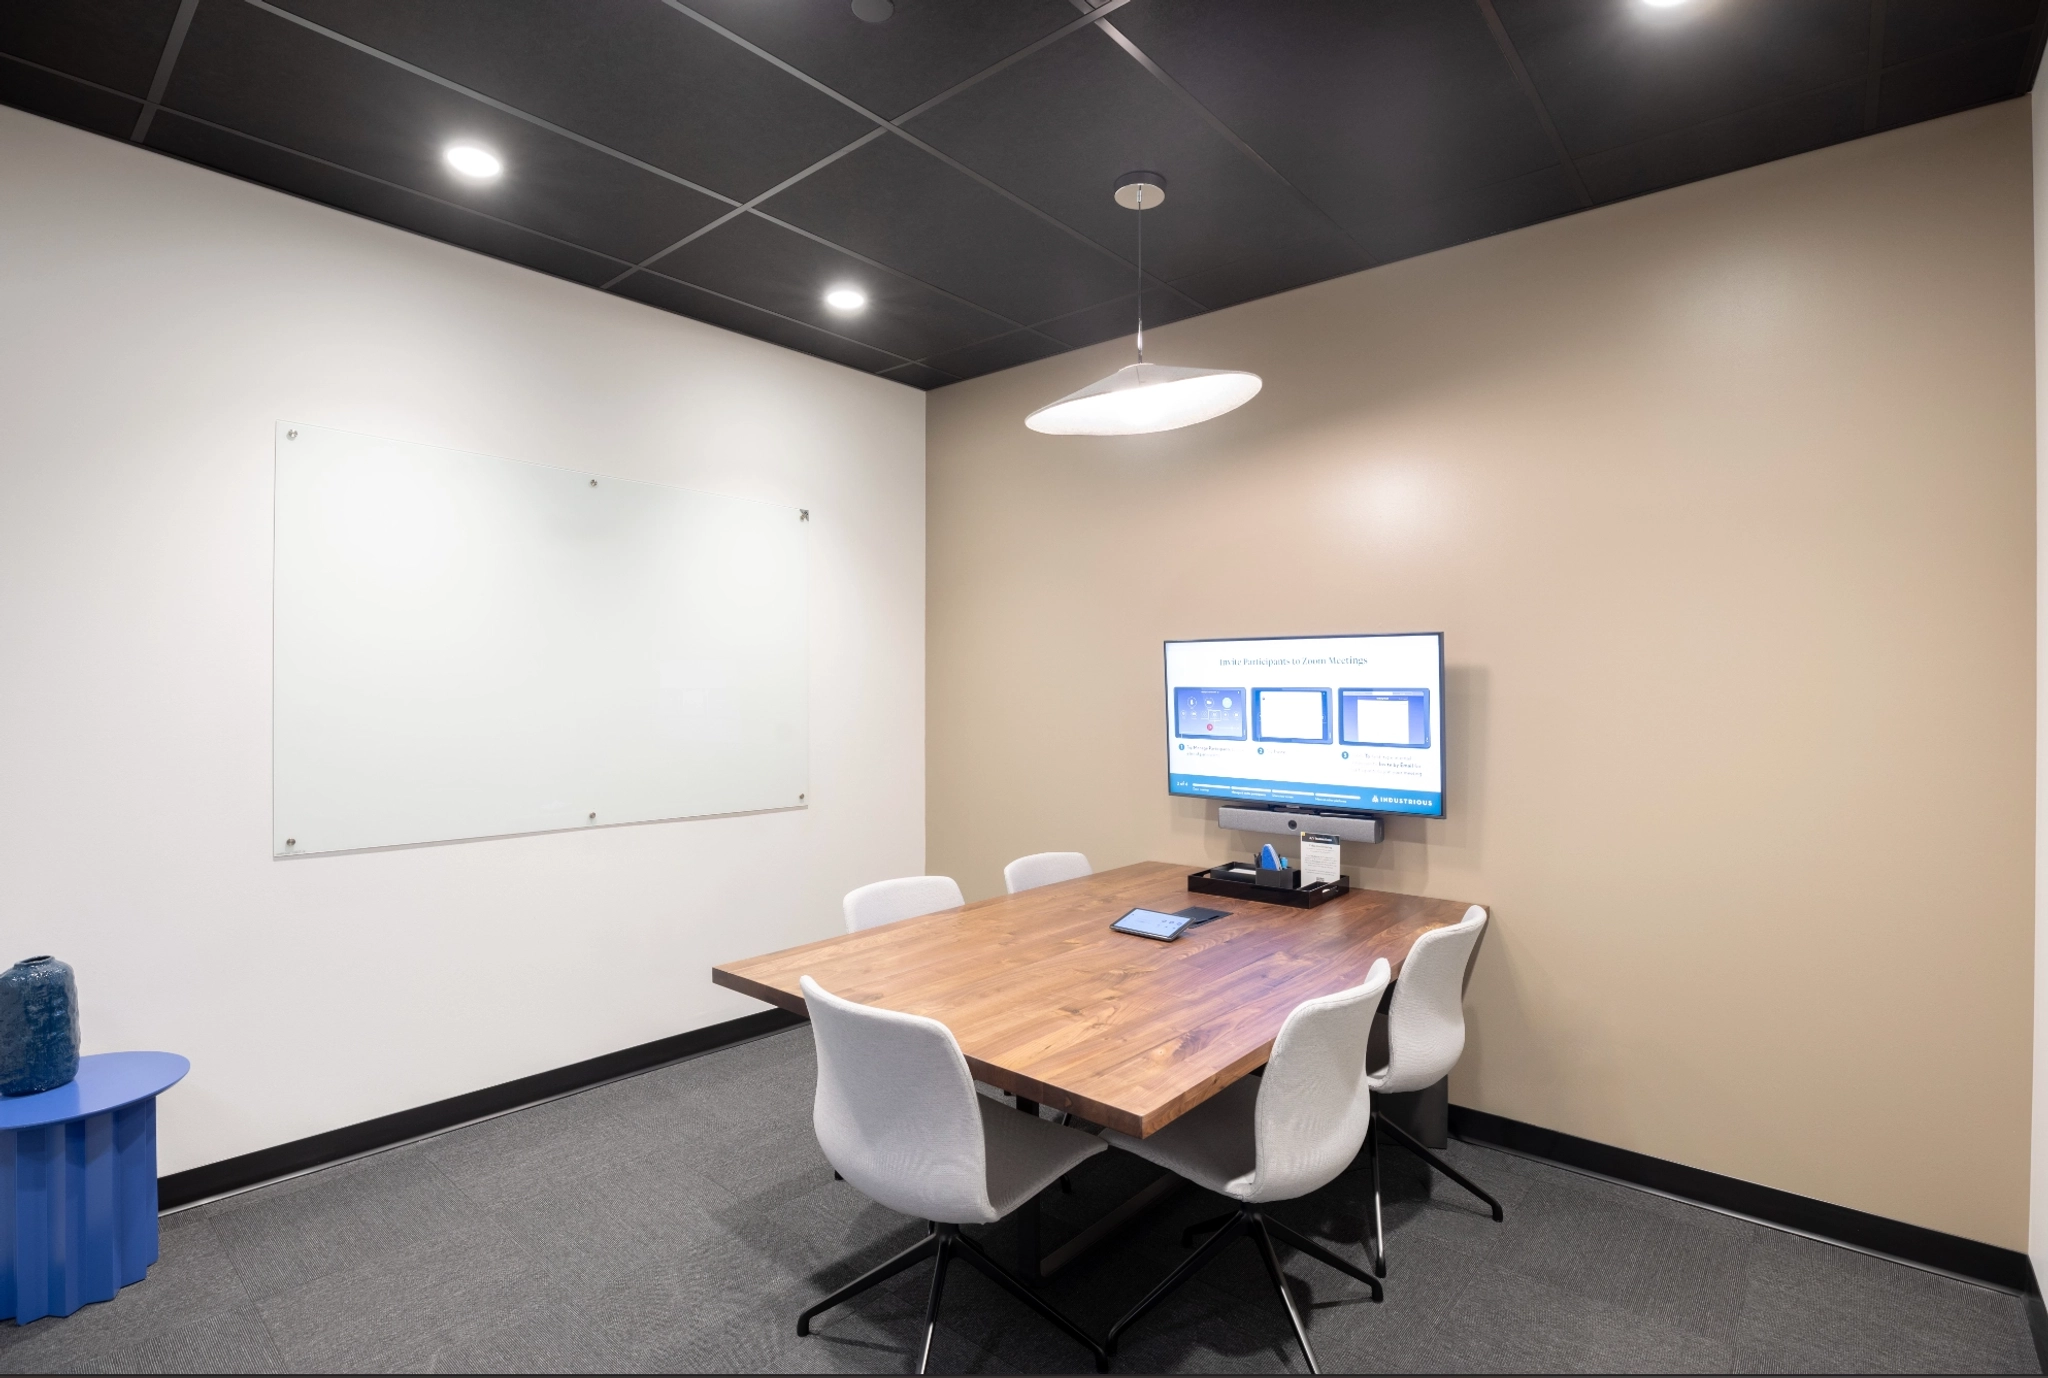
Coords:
pixel 1048 1003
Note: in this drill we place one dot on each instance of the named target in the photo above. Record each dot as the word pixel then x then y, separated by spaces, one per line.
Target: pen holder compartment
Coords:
pixel 1288 879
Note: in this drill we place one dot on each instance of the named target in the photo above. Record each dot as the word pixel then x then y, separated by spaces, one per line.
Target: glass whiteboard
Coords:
pixel 471 647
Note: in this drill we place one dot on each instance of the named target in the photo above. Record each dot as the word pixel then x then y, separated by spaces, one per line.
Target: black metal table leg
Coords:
pixel 1028 1251
pixel 1027 1219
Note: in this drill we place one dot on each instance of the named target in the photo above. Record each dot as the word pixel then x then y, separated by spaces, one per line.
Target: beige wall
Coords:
pixel 1724 500
pixel 2037 1230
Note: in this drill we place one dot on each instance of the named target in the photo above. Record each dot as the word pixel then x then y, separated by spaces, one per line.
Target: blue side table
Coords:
pixel 78 1185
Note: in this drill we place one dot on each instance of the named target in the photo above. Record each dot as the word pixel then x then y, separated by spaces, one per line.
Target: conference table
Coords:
pixel 1050 1005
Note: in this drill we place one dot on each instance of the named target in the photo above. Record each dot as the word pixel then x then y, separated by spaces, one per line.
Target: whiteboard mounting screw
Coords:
pixel 593 483
pixel 803 514
pixel 593 816
pixel 291 435
pixel 799 796
pixel 291 842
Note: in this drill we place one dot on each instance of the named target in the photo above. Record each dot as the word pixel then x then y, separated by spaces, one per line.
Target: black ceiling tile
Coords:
pixel 918 376
pixel 1738 141
pixel 632 74
pixel 1955 80
pixel 992 356
pixel 1059 127
pixel 348 191
pixel 1403 230
pixel 269 77
pixel 1255 275
pixel 895 203
pixel 684 299
pixel 1914 29
pixel 71 102
pixel 1617 72
pixel 115 43
pixel 777 269
pixel 922 49
pixel 1119 317
pixel 1369 109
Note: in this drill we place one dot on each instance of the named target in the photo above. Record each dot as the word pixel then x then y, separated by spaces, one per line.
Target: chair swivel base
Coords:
pixel 1375 1246
pixel 944 1243
pixel 1250 1221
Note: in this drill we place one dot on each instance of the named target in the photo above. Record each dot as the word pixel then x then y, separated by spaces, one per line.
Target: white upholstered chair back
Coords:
pixel 1314 1104
pixel 1045 868
pixel 1426 1018
pixel 896 1111
pixel 906 897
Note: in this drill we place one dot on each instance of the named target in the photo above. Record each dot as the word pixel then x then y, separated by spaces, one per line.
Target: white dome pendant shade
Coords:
pixel 1141 398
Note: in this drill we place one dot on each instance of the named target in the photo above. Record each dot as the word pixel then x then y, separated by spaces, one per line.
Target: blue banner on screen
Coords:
pixel 1307 795
pixel 1334 722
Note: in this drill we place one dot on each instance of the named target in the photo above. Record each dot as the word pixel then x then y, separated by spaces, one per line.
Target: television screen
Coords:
pixel 1320 722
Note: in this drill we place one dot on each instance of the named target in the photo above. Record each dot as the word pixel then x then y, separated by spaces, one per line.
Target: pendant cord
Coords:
pixel 1141 272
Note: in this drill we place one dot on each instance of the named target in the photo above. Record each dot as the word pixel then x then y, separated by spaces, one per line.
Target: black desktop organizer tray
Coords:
pixel 1307 897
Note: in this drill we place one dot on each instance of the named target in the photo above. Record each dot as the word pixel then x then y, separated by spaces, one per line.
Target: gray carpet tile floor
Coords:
pixel 679 1220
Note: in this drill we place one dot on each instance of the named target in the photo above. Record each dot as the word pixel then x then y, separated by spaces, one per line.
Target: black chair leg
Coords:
pixel 1001 1276
pixel 1271 1258
pixel 1317 1252
pixel 1408 1142
pixel 946 1239
pixel 1249 1220
pixel 916 1253
pixel 1174 1279
pixel 1187 1236
pixel 1376 1245
pixel 942 1244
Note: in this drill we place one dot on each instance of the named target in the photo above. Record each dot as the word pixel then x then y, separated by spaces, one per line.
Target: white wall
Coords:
pixel 155 320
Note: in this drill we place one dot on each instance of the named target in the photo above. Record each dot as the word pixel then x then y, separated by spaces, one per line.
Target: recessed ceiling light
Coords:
pixel 1664 4
pixel 873 11
pixel 846 299
pixel 471 161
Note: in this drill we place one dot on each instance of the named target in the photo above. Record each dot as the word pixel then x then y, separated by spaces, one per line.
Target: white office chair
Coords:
pixel 1045 868
pixel 1274 1138
pixel 1425 1036
pixel 906 897
pixel 897 1115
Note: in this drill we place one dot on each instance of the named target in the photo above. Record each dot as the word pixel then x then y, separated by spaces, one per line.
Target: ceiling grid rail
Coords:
pixel 752 207
pixel 1528 85
pixel 174 43
pixel 1891 64
pixel 895 126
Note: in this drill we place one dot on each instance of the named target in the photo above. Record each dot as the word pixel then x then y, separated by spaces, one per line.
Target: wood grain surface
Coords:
pixel 1048 1003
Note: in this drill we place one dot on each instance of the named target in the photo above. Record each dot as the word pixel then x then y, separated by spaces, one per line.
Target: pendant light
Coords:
pixel 1141 398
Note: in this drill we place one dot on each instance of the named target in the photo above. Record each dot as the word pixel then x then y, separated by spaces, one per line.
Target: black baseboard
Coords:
pixel 2037 1319
pixel 2007 1268
pixel 269 1164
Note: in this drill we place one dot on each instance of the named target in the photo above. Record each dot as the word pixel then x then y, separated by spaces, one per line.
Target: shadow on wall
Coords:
pixel 1454 843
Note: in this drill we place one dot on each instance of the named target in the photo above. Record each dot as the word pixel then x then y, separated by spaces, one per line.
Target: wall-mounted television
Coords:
pixel 1353 723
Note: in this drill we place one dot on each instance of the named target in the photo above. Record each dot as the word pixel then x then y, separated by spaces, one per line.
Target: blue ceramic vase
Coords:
pixel 38 1026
